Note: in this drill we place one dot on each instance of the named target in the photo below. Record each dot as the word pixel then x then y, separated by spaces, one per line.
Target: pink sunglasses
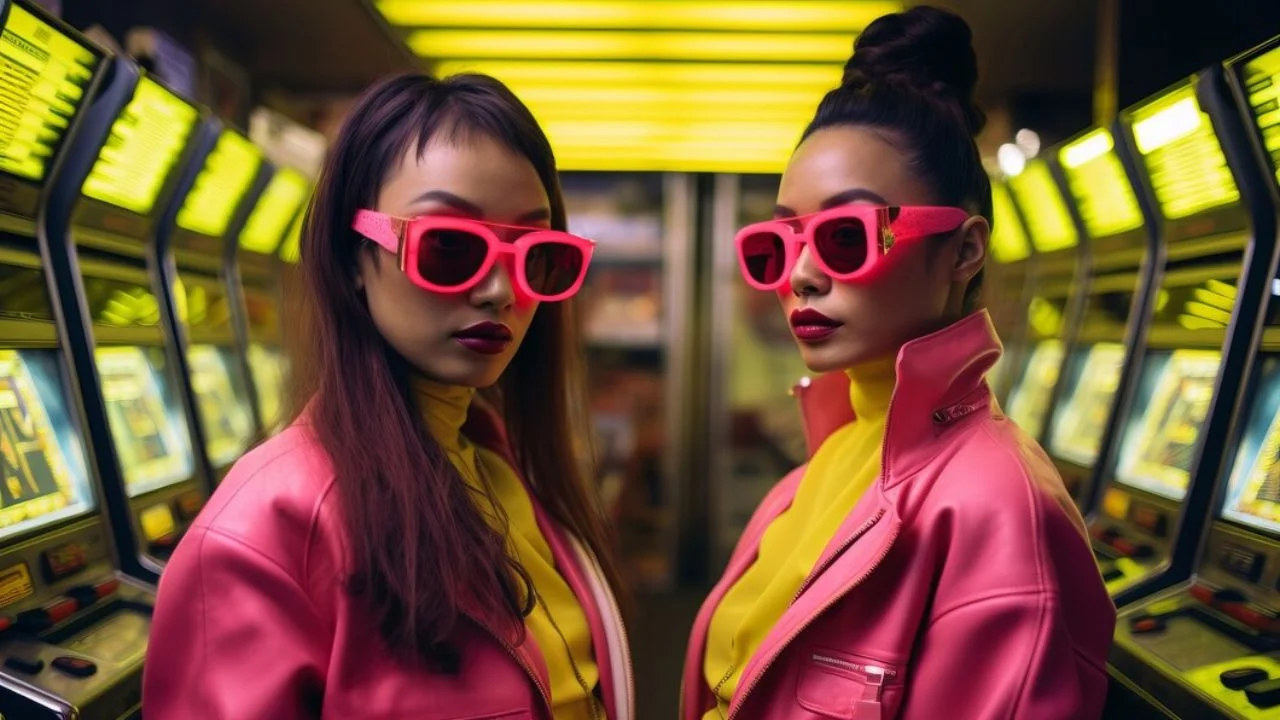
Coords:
pixel 847 242
pixel 452 255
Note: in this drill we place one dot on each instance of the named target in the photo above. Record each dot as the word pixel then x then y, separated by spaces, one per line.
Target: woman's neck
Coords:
pixel 444 409
pixel 871 386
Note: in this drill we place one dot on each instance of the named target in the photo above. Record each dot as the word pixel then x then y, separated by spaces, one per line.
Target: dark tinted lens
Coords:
pixel 450 257
pixel 552 268
pixel 764 256
pixel 842 244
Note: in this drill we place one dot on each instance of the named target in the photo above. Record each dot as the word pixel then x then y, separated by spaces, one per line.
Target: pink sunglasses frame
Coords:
pixel 403 237
pixel 896 224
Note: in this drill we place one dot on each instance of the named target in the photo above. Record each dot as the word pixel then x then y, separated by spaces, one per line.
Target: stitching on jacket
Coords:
pixel 1001 594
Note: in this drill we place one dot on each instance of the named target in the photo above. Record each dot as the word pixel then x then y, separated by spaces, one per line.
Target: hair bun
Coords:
pixel 927 49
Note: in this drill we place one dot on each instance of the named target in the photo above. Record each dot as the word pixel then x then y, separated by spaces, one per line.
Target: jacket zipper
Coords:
pixel 871 671
pixel 755 679
pixel 822 567
pixel 537 681
pixel 622 633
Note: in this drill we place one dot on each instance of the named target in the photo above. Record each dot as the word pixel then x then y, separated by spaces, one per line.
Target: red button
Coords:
pixel 1252 617
pixel 1202 593
pixel 106 587
pixel 1147 625
pixel 5 623
pixel 1124 547
pixel 61 609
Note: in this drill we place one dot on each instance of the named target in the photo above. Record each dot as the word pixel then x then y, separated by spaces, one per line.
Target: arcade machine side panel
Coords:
pixel 196 235
pixel 1008 283
pixel 1050 314
pixel 1119 227
pixel 1158 487
pixel 1212 646
pixel 58 591
pixel 254 276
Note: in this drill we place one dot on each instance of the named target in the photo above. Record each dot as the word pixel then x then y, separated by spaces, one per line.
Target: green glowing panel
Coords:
pixel 1262 80
pixel 291 249
pixel 1043 208
pixel 145 144
pixel 1008 240
pixel 278 206
pixel 43 75
pixel 1188 170
pixel 225 178
pixel 1096 179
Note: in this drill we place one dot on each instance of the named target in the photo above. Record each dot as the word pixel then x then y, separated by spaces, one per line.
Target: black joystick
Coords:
pixel 1241 678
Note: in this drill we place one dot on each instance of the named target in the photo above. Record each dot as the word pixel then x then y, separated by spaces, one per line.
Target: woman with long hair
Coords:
pixel 927 561
pixel 410 547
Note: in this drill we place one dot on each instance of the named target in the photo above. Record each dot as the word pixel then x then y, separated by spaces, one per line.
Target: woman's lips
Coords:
pixel 811 326
pixel 485 338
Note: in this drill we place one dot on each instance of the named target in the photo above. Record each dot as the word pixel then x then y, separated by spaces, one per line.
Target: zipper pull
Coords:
pixel 869 707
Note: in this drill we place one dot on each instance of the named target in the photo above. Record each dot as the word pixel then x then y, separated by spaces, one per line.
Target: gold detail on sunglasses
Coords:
pixel 886 240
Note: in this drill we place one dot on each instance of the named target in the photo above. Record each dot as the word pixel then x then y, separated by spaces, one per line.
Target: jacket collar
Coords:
pixel 941 380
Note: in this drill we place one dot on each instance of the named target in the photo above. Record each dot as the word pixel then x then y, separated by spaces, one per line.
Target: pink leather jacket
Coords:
pixel 961 586
pixel 253 622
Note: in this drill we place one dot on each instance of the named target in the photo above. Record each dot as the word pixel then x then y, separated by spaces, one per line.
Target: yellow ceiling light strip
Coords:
pixel 805 101
pixel 675 74
pixel 792 16
pixel 620 45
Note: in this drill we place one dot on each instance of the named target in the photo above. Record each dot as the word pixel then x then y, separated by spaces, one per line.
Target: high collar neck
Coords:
pixel 444 408
pixel 871 387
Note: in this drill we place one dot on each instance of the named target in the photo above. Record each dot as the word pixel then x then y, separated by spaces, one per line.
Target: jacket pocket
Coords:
pixel 837 684
pixel 524 714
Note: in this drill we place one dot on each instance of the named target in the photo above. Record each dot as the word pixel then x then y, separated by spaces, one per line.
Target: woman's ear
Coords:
pixel 971 252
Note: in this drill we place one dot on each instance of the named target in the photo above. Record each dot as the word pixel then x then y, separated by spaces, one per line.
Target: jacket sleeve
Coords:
pixel 1003 657
pixel 233 636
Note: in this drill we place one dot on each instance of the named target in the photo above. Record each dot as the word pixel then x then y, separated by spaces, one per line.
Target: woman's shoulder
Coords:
pixel 276 501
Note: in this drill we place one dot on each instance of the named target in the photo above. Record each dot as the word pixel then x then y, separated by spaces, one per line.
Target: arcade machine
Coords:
pixel 1211 647
pixel 73 632
pixel 1115 310
pixel 141 140
pixel 1011 251
pixel 194 274
pixel 1154 490
pixel 255 269
pixel 1052 305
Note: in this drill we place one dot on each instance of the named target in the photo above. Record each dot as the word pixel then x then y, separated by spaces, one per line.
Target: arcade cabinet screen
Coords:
pixel 1048 223
pixel 276 208
pixel 1098 183
pixel 1253 494
pixel 146 418
pixel 1029 401
pixel 291 248
pixel 45 74
pixel 220 396
pixel 1175 391
pixel 1009 242
pixel 1188 171
pixel 225 178
pixel 44 476
pixel 1262 79
pixel 1079 425
pixel 268 368
pixel 145 143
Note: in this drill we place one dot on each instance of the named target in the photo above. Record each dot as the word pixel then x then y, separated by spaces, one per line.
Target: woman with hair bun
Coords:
pixel 927 562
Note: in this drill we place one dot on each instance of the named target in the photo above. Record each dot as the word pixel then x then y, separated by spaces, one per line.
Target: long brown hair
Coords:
pixel 422 552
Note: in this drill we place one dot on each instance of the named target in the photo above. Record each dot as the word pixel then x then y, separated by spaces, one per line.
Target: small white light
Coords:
pixel 1027 141
pixel 804 381
pixel 1011 159
pixel 1275 287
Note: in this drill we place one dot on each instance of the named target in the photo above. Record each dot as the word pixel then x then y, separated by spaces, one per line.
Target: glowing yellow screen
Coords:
pixel 1099 185
pixel 34 478
pixel 145 143
pixel 43 75
pixel 1042 206
pixel 1008 239
pixel 1262 79
pixel 1188 170
pixel 275 209
pixel 221 184
pixel 291 249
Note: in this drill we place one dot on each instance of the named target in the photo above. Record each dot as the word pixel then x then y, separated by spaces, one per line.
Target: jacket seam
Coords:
pixel 1001 594
pixel 241 542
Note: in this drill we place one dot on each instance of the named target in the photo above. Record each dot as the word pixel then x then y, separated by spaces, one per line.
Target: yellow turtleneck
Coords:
pixel 445 408
pixel 840 472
